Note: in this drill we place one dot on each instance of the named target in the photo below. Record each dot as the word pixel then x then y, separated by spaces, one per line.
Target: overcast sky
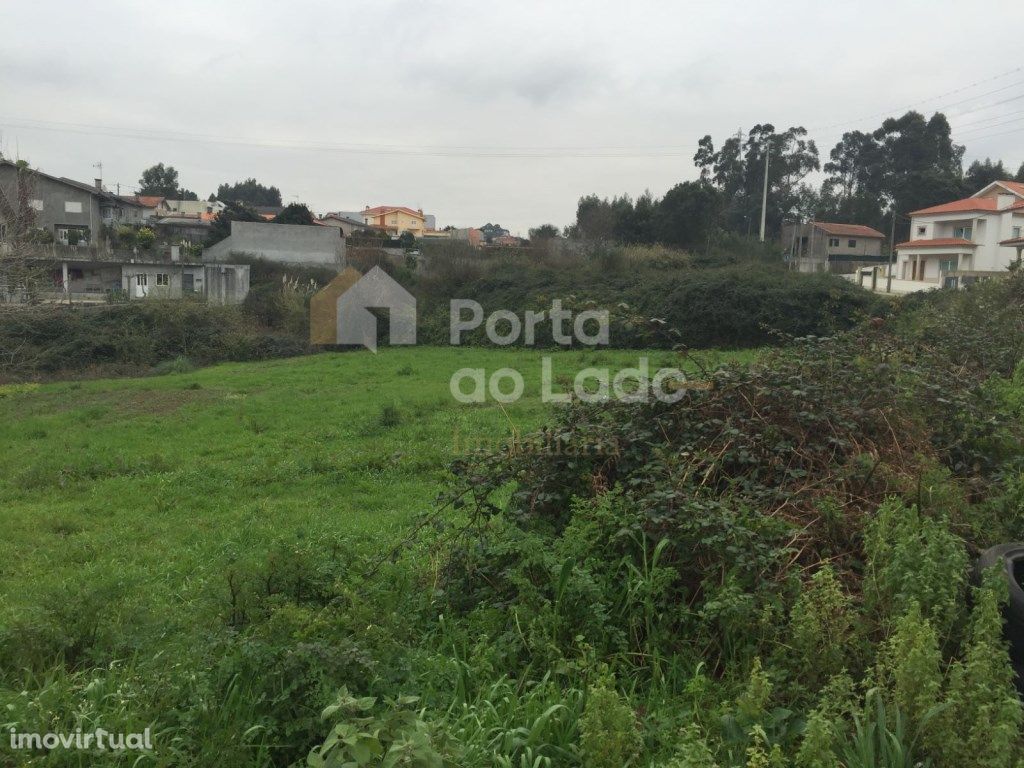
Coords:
pixel 478 111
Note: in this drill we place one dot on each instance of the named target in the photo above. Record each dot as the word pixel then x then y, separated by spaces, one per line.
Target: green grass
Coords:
pixel 134 495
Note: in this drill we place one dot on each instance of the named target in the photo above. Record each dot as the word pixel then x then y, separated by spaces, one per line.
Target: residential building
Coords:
pixel 183 227
pixel 962 241
pixel 305 244
pixel 491 231
pixel 201 208
pixel 84 277
pixel 346 222
pixel 268 212
pixel 68 210
pixel 153 206
pixel 141 279
pixel 124 211
pixel 821 246
pixel 395 219
pixel 508 241
pixel 468 234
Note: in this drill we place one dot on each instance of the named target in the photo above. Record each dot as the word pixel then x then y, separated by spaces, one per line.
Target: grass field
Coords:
pixel 127 499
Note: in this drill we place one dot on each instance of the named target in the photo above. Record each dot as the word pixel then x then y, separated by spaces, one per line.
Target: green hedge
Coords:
pixel 46 340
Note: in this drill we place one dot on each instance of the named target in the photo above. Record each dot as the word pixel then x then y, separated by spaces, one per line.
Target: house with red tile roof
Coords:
pixel 821 246
pixel 395 219
pixel 153 206
pixel 964 240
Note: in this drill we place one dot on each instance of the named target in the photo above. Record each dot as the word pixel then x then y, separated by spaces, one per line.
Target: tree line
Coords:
pixel 162 181
pixel 907 163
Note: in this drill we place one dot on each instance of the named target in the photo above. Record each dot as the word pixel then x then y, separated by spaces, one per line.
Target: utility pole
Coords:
pixel 764 194
pixel 892 251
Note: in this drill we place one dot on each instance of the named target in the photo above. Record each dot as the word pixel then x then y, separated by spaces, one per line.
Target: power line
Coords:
pixel 988 119
pixel 889 112
pixel 835 137
pixel 491 151
pixel 989 127
pixel 347 146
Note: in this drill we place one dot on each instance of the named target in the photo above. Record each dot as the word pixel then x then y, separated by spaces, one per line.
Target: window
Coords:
pixel 1016 233
pixel 833 242
pixel 948 265
pixel 922 230
pixel 36 205
pixel 162 278
pixel 72 207
pixel 965 232
pixel 142 280
pixel 851 243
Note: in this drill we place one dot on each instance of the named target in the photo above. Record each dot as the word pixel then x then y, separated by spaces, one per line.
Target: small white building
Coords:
pixel 965 240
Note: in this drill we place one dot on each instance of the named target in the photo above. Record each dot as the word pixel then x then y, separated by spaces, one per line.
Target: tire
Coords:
pixel 1009 558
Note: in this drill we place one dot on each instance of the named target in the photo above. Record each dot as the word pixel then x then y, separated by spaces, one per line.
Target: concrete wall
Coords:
pixel 227 283
pixel 347 228
pixel 283 243
pixel 53 200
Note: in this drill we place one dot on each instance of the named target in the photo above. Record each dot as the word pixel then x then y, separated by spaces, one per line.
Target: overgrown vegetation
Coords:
pixel 772 571
pixel 129 338
pixel 657 298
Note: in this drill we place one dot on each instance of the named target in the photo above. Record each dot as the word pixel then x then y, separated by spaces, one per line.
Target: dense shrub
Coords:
pixel 732 306
pixel 823 457
pixel 47 340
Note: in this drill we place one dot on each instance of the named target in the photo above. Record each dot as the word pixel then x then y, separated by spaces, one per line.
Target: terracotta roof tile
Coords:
pixel 1014 186
pixel 847 230
pixel 384 209
pixel 939 242
pixel 986 204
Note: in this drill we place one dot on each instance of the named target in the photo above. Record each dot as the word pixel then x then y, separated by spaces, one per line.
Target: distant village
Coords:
pixel 100 246
pixel 103 244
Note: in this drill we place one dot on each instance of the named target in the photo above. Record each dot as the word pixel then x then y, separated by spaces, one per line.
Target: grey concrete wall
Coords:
pixel 227 283
pixel 54 195
pixel 283 243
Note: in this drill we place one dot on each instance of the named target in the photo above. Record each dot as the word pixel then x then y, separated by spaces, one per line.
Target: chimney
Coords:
pixel 99 184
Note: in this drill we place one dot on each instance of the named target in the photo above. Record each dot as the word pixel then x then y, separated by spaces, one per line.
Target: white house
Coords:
pixel 962 241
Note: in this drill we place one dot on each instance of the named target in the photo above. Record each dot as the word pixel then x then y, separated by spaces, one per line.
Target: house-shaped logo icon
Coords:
pixel 340 312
